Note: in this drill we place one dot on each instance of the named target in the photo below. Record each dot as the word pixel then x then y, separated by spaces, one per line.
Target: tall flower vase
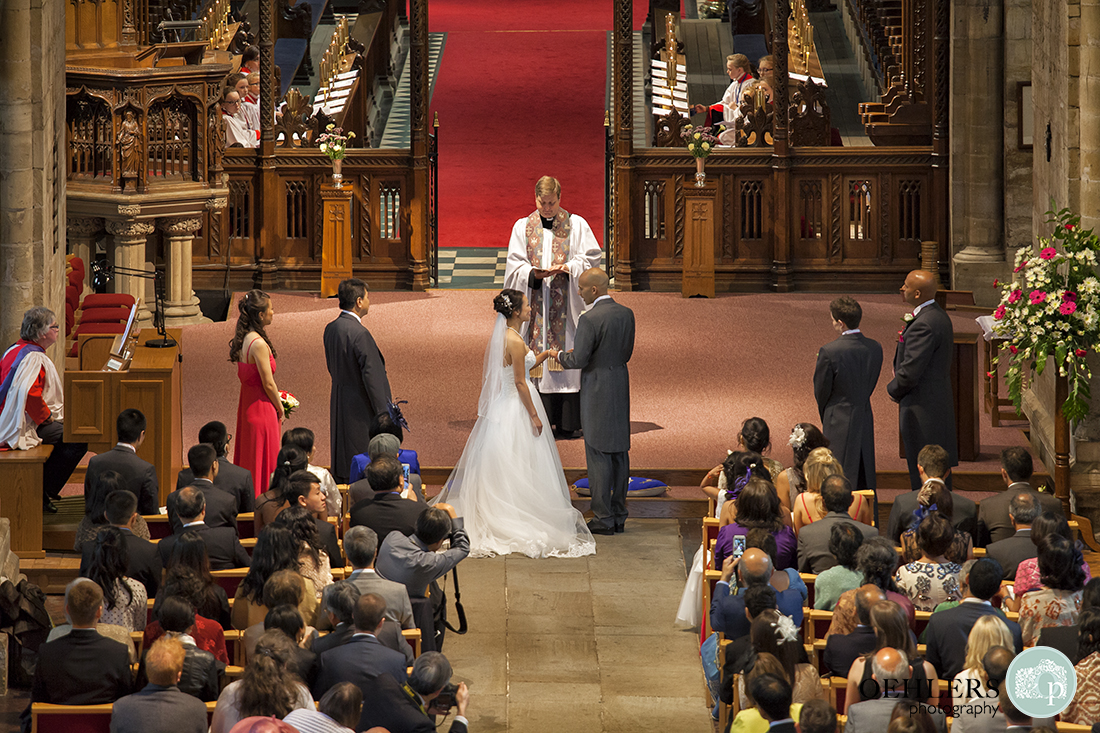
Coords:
pixel 700 174
pixel 337 176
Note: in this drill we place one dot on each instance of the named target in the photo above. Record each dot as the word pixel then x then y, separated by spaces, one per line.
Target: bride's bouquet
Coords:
pixel 290 402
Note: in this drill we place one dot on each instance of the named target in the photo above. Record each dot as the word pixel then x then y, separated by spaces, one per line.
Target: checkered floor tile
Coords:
pixel 472 268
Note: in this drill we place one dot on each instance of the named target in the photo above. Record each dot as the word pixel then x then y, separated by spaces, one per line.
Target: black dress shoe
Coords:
pixel 620 528
pixel 600 529
pixel 49 507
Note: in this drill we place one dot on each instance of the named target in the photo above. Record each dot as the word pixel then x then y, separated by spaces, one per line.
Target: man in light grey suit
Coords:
pixel 416 561
pixel 601 349
pixel 360 388
pixel 891 671
pixel 361 546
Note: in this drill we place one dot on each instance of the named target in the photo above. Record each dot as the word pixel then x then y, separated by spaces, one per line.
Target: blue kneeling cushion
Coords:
pixel 638 486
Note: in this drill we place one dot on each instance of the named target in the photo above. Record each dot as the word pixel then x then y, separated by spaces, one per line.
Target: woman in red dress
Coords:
pixel 260 410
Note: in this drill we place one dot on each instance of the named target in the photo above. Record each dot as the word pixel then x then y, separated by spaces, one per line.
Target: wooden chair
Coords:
pixel 47 718
pixel 158 526
pixel 412 636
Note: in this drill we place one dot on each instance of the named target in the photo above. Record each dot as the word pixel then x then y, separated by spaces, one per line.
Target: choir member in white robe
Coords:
pixel 727 110
pixel 548 251
pixel 236 130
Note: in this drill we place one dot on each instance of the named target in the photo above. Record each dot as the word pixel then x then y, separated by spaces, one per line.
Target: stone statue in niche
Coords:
pixel 129 151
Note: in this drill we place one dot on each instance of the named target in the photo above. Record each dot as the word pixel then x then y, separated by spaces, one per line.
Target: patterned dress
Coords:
pixel 1027 576
pixel 1085 707
pixel 929 584
pixel 1047 607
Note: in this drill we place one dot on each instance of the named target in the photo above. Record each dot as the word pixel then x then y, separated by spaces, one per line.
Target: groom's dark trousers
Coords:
pixel 601 349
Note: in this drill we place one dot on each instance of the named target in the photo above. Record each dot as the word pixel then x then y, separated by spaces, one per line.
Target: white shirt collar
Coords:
pixel 968 599
pixel 597 300
pixel 352 314
pixel 130 446
pixel 920 307
pixel 849 332
pixel 195 523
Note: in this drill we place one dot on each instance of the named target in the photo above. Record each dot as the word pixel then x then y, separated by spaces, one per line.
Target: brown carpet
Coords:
pixel 700 367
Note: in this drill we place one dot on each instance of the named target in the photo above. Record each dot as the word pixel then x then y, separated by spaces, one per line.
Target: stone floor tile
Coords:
pixel 640 714
pixel 632 607
pixel 561 623
pixel 581 693
pixel 479 658
pixel 522 563
pixel 487 713
pixel 541 602
pixel 522 580
pixel 534 715
pixel 552 658
pixel 649 666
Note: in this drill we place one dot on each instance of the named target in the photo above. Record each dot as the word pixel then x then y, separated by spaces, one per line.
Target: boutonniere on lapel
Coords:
pixel 906 319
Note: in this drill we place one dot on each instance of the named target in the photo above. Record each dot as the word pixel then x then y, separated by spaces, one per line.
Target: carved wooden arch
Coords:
pixel 199 100
pixel 109 100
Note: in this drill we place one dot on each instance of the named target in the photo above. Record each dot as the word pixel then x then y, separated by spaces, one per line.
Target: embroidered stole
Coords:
pixel 555 290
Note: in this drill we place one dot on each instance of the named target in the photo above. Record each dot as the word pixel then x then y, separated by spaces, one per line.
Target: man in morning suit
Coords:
pixel 1023 509
pixel 230 478
pixel 222 546
pixel 384 510
pixel 362 656
pixel 601 349
pixel 845 376
pixel 814 555
pixel 932 467
pixel 948 630
pixel 139 477
pixel 1016 469
pixel 841 650
pixel 360 388
pixel 160 707
pixel 873 716
pixel 412 708
pixel 82 667
pixel 221 506
pixel 922 375
pixel 144 560
pixel 772 696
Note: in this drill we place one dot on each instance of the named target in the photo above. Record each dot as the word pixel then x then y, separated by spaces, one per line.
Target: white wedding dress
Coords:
pixel 509 486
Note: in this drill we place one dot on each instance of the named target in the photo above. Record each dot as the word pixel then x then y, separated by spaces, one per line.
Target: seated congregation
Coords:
pixel 317 604
pixel 816 613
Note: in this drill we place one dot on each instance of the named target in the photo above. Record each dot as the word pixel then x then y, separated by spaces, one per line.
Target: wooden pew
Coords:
pixel 21 498
pixel 159 528
pixel 47 718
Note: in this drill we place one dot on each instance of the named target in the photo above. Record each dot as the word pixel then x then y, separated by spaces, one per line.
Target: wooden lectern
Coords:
pixel 335 238
pixel 152 384
pixel 700 239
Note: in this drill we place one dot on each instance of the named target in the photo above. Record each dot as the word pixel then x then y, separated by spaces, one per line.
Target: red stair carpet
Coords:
pixel 520 94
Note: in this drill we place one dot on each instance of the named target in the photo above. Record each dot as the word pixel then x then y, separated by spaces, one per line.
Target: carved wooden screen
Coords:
pixel 750 225
pixel 657 230
pixel 171 146
pixel 91 139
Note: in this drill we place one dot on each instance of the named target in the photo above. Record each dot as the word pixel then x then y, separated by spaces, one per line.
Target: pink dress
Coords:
pixel 257 438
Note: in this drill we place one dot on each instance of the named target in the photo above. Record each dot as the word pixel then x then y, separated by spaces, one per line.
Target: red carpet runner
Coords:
pixel 520 94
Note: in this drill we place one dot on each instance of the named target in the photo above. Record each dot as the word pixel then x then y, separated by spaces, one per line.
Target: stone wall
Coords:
pixel 1017 163
pixel 32 166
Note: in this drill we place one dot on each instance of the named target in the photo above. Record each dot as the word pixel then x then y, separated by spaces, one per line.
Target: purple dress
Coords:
pixel 785 539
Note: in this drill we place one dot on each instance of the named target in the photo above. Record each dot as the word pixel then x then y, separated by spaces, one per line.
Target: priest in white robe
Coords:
pixel 548 251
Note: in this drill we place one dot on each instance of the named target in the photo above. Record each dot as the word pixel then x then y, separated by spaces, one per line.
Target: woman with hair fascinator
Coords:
pixel 509 486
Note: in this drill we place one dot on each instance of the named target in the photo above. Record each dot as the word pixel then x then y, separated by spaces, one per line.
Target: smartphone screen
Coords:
pixel 738 545
pixel 405 470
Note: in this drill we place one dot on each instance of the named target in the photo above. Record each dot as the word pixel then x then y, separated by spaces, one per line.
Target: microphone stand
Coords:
pixel 103 272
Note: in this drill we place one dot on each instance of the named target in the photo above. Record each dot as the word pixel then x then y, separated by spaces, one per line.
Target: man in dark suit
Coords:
pixel 841 650
pixel 338 603
pixel 772 696
pixel 230 478
pixel 360 388
pixel 922 375
pixel 1010 552
pixel 727 612
pixel 144 561
pixel 160 707
pixel 362 655
pixel 411 708
pixel 139 477
pixel 932 467
pixel 814 555
pixel 890 670
pixel 948 630
pixel 82 667
pixel 221 506
pixel 845 376
pixel 222 546
pixel 601 349
pixel 1016 469
pixel 740 655
pixel 385 511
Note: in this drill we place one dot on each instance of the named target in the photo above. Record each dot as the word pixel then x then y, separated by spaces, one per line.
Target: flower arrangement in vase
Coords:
pixel 334 143
pixel 1051 308
pixel 700 142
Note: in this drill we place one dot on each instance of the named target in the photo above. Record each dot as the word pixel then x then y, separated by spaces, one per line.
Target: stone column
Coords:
pixel 180 304
pixel 82 233
pixel 977 146
pixel 32 166
pixel 127 249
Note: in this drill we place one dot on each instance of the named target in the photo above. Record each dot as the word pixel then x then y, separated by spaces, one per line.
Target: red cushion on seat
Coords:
pixel 112 314
pixel 82 722
pixel 99 300
pixel 76 278
pixel 72 296
pixel 99 328
pixel 70 319
pixel 76 263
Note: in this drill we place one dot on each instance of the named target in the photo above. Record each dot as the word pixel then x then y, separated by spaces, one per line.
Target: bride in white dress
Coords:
pixel 509 486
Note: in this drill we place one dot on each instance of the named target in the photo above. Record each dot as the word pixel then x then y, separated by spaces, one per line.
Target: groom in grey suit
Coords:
pixel 601 349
